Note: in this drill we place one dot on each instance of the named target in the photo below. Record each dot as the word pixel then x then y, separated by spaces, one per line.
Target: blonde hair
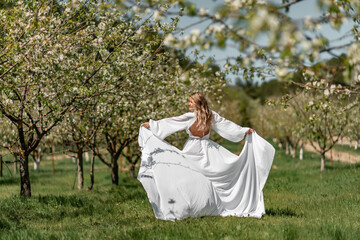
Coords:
pixel 202 111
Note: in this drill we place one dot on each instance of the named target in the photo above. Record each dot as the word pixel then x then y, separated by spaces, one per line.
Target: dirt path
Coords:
pixel 336 155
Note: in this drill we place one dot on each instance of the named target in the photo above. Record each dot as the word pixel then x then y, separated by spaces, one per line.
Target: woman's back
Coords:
pixel 196 131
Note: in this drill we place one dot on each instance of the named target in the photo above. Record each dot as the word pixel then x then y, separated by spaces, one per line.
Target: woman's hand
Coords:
pixel 146 124
pixel 250 131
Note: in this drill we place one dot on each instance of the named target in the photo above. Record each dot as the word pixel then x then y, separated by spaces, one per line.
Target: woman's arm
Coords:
pixel 167 126
pixel 228 129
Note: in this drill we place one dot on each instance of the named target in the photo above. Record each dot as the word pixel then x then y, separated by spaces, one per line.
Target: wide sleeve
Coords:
pixel 227 129
pixel 167 126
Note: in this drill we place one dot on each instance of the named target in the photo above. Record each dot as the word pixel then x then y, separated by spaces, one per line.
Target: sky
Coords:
pixel 298 11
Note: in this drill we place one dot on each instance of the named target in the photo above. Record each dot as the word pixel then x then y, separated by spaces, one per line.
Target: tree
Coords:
pixel 77 133
pixel 132 156
pixel 8 136
pixel 48 65
pixel 353 127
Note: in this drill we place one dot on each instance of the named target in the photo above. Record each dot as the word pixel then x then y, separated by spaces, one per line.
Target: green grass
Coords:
pixel 301 203
pixel 235 148
pixel 346 148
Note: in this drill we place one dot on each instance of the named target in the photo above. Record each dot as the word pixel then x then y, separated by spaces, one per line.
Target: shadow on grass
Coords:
pixel 286 212
pixel 16 211
pixel 342 166
pixel 61 200
pixel 4 224
pixel 9 180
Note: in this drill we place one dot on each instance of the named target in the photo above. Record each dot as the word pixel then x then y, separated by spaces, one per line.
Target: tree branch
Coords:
pixel 101 157
pixel 2 75
pixel 336 47
pixel 33 123
pixel 289 4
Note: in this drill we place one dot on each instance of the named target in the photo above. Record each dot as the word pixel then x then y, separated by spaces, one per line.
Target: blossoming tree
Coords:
pixel 51 53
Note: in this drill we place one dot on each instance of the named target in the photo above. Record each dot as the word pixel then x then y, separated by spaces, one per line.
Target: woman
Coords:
pixel 203 179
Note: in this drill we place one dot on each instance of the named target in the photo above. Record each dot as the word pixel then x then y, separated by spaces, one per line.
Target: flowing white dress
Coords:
pixel 203 179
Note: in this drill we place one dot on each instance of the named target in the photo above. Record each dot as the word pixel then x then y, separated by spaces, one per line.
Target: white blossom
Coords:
pixel 306 45
pixel 332 88
pixel 273 22
pixel 217 16
pixel 158 15
pixel 317 42
pixel 326 92
pixel 102 26
pixel 281 72
pixel 135 9
pixel 195 32
pixel 203 12
pixel 236 4
pixel 218 28
pixel 309 72
pixel 308 22
pixel 169 39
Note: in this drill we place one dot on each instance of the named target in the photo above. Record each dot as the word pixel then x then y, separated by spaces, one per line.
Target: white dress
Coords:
pixel 203 179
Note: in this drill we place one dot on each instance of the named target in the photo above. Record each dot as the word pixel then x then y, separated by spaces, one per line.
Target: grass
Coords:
pixel 301 203
pixel 346 148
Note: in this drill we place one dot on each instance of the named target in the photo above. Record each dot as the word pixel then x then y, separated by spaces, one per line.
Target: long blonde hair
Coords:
pixel 202 111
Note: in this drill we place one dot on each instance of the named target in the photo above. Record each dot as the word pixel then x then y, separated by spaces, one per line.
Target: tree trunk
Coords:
pixel 356 145
pixel 87 158
pixel 52 156
pixel 25 176
pixel 114 171
pixel 287 148
pixel 331 158
pixel 301 153
pixel 132 170
pixel 322 166
pixel 92 171
pixel 1 166
pixel 121 163
pixel 37 154
pixel 36 165
pixel 80 168
pixel 15 164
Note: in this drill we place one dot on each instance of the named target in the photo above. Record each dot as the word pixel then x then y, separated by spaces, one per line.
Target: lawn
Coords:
pixel 346 148
pixel 301 203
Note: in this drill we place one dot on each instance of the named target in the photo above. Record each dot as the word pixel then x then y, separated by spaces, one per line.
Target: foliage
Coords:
pixel 264 90
pixel 353 128
pixel 239 102
pixel 291 43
